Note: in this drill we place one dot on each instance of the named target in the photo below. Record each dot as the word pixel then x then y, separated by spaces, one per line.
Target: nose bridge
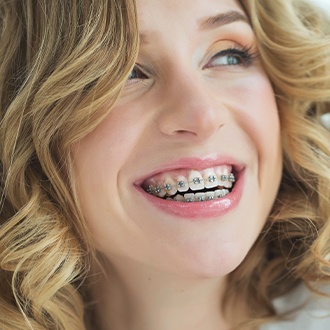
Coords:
pixel 189 107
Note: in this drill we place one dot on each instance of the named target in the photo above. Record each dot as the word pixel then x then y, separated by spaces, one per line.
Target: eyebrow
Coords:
pixel 222 19
pixel 211 22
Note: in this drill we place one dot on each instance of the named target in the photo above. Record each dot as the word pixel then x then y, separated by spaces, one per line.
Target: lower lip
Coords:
pixel 200 210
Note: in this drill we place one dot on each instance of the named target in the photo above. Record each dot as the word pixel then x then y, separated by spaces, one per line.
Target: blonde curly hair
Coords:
pixel 61 62
pixel 62 66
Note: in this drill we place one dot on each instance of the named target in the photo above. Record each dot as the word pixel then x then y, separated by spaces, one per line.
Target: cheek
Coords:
pixel 250 98
pixel 258 114
pixel 110 145
pixel 97 159
pixel 264 126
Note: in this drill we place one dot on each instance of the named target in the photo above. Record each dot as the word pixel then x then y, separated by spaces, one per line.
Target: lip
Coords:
pixel 196 210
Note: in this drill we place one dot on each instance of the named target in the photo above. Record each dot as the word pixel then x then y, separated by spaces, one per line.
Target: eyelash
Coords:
pixel 140 72
pixel 246 55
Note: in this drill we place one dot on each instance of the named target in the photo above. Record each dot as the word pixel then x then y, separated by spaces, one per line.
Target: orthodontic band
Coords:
pixel 181 184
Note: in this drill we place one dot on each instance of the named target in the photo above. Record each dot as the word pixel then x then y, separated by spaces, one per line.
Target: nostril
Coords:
pixel 184 132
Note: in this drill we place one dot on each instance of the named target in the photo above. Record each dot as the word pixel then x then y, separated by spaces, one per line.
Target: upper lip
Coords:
pixel 196 164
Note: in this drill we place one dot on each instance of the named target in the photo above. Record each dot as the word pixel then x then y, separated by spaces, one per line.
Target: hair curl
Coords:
pixel 62 66
pixel 294 247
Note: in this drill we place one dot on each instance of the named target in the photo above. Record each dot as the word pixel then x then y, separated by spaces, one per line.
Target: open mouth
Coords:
pixel 190 186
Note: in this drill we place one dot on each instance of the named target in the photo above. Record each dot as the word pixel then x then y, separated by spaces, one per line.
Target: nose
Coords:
pixel 190 109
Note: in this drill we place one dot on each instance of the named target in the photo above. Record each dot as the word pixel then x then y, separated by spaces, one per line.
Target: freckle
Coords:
pixel 149 279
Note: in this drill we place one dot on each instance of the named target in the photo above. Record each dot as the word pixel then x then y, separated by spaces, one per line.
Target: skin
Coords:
pixel 165 272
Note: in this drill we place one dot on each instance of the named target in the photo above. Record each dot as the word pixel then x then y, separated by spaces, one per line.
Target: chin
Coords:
pixel 211 262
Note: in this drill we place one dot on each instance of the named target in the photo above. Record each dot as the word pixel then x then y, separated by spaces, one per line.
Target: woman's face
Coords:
pixel 184 170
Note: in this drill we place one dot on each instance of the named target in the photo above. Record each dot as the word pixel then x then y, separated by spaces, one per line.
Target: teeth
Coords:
pixel 182 183
pixel 228 184
pixel 188 198
pixel 179 198
pixel 159 191
pixel 196 181
pixel 231 177
pixel 221 193
pixel 199 197
pixel 167 186
pixel 224 175
pixel 170 186
pixel 209 195
pixel 150 189
pixel 210 179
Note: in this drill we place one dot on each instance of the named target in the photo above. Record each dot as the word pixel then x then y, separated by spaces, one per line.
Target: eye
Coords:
pixel 231 57
pixel 137 73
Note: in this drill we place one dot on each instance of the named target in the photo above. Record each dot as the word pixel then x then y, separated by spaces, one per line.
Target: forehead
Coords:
pixel 189 14
pixel 150 11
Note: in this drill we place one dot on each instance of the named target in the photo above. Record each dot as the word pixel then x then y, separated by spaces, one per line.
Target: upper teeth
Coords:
pixel 196 181
pixel 171 183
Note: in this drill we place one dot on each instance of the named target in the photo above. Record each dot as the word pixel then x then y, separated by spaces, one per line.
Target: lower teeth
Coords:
pixel 200 197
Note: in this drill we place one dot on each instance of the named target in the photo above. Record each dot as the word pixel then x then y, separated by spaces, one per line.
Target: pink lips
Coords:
pixel 198 210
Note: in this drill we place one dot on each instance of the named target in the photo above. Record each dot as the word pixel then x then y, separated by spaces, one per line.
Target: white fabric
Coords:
pixel 313 315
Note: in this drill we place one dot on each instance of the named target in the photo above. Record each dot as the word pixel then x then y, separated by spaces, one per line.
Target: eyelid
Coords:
pixel 250 52
pixel 140 83
pixel 224 44
pixel 141 69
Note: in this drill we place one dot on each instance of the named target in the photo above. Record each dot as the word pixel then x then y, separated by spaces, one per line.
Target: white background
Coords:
pixel 325 119
pixel 324 3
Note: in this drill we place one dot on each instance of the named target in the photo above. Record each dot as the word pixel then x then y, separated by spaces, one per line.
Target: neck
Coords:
pixel 135 297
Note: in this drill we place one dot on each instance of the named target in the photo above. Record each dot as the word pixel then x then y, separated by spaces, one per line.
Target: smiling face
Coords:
pixel 183 172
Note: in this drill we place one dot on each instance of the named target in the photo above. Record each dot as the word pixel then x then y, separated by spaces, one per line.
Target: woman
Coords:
pixel 178 183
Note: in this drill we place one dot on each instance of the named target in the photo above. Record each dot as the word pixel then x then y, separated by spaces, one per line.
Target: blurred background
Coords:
pixel 326 5
pixel 323 3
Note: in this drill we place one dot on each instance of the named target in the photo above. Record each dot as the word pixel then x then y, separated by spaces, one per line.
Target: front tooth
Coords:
pixel 196 181
pixel 189 197
pixel 170 186
pixel 210 179
pixel 182 183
